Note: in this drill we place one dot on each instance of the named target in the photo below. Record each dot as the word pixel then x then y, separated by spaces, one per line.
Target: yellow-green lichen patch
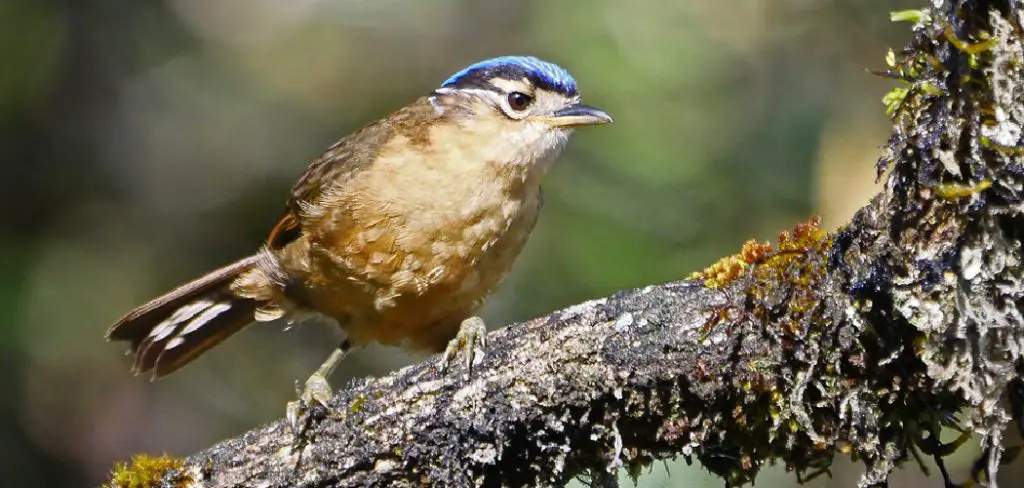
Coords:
pixel 987 42
pixel 767 262
pixel 143 471
pixel 783 289
pixel 1008 150
pixel 358 404
pixel 915 16
pixel 955 191
pixel 727 269
pixel 788 268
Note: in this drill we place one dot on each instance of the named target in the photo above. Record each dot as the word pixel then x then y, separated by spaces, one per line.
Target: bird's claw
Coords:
pixel 470 340
pixel 312 403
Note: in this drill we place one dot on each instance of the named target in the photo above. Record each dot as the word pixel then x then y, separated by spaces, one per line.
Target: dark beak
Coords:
pixel 577 114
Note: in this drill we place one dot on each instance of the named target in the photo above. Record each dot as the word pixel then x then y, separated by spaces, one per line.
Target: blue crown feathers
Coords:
pixel 545 75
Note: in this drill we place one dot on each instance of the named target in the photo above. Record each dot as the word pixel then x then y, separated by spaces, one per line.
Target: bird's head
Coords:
pixel 520 107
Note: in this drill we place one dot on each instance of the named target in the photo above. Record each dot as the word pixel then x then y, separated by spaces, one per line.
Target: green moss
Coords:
pixel 1008 150
pixel 794 267
pixel 358 404
pixel 783 285
pixel 914 15
pixel 971 48
pixel 728 269
pixel 894 98
pixel 765 261
pixel 143 471
pixel 955 191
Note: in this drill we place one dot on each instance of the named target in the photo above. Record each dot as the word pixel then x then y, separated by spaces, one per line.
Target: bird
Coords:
pixel 397 233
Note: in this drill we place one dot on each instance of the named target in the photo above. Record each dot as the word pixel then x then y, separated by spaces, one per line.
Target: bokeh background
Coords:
pixel 144 142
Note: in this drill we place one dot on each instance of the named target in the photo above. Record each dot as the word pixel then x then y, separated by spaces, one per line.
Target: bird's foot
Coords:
pixel 311 405
pixel 314 395
pixel 470 340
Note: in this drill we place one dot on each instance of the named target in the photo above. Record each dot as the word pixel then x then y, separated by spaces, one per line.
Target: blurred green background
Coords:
pixel 143 143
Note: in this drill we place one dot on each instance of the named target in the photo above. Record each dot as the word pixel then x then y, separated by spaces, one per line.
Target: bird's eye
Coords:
pixel 519 101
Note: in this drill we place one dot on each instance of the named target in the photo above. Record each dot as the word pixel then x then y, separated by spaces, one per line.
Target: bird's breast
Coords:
pixel 418 240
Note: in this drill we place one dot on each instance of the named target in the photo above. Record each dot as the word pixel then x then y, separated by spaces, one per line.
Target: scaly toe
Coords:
pixel 470 340
pixel 313 398
pixel 317 391
pixel 296 420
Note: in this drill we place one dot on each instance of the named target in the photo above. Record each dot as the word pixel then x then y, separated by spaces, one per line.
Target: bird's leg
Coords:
pixel 316 391
pixel 471 339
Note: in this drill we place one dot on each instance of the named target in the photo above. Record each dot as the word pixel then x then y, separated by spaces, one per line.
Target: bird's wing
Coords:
pixel 347 157
pixel 336 166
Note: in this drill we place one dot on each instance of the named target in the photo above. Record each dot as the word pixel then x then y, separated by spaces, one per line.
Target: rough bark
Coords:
pixel 866 341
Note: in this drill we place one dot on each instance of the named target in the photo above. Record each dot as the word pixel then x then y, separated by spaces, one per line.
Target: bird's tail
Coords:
pixel 169 331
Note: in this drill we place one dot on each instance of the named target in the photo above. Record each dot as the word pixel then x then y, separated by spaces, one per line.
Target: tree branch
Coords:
pixel 867 341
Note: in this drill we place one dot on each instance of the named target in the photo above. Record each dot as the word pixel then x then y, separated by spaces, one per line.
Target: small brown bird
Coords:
pixel 397 233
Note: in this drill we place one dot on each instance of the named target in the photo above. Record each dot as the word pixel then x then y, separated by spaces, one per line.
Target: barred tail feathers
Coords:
pixel 170 331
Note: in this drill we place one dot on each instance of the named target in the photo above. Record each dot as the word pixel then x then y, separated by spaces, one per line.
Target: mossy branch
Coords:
pixel 866 342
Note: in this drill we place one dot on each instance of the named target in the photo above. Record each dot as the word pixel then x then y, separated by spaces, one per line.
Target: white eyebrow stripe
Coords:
pixel 476 91
pixel 509 86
